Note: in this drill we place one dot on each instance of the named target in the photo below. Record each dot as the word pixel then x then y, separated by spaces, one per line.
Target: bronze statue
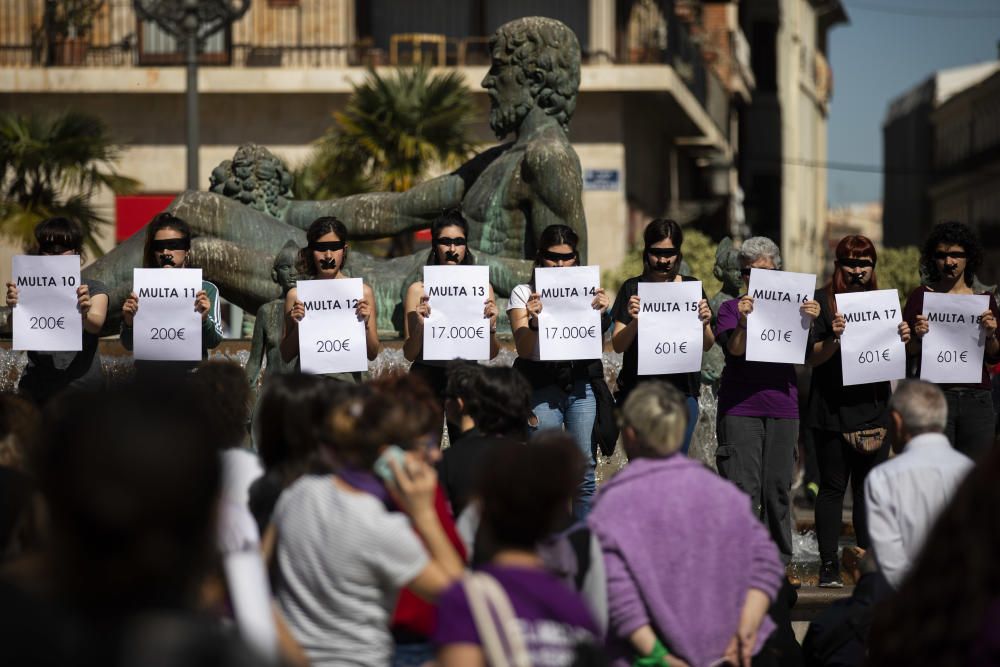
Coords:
pixel 270 317
pixel 509 193
pixel 727 269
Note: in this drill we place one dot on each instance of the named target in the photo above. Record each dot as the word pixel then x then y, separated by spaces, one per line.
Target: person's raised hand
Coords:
pixel 11 295
pixel 130 308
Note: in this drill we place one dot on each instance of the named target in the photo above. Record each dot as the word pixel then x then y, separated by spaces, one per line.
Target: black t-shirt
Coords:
pixel 48 373
pixel 628 377
pixel 458 469
pixel 832 406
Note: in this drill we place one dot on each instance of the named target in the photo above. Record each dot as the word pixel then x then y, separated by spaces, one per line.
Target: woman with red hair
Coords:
pixel 848 423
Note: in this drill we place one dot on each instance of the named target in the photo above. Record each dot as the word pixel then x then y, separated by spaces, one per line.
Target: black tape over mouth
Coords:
pixel 856 278
pixel 327 264
pixel 452 257
pixel 166 260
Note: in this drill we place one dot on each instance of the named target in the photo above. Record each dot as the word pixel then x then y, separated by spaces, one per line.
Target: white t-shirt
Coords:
pixel 240 468
pixel 342 559
pixel 519 299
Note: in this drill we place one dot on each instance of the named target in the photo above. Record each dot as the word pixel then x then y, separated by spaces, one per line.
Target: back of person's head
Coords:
pixel 290 421
pixel 945 609
pixel 397 409
pixel 131 480
pixel 420 417
pixel 500 402
pixel 921 406
pixel 19 422
pixel 526 490
pixel 224 386
pixel 657 414
pixel 460 387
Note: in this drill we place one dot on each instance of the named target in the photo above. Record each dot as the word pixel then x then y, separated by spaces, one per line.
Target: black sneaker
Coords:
pixel 829 575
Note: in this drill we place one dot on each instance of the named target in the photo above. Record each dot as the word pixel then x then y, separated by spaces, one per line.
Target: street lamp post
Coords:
pixel 191 22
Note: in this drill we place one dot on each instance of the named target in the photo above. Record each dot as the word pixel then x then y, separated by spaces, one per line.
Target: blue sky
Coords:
pixel 881 54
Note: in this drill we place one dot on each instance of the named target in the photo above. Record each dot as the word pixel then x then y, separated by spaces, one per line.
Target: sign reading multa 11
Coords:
pixel 568 327
pixel 776 330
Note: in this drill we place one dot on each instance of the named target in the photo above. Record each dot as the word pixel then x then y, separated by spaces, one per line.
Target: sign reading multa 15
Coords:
pixel 608 180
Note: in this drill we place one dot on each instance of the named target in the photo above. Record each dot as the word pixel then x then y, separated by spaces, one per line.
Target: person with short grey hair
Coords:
pixel 657 506
pixel 760 248
pixel 904 495
pixel 758 413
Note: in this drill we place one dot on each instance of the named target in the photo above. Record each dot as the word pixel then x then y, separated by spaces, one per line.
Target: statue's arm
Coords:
pixel 375 215
pixel 552 170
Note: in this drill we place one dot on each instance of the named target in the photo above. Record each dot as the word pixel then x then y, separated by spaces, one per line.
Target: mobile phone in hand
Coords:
pixel 382 467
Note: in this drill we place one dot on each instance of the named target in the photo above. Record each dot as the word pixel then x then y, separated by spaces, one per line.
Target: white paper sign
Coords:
pixel 670 333
pixel 568 327
pixel 456 328
pixel 167 327
pixel 952 349
pixel 46 318
pixel 870 348
pixel 331 337
pixel 776 330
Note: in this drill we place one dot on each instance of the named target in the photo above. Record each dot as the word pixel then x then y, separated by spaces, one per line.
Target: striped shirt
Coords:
pixel 342 560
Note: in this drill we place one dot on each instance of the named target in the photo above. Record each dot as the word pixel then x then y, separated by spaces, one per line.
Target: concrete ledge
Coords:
pixel 813 600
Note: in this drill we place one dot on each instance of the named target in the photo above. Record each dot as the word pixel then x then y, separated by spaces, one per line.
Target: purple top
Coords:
pixel 554 619
pixel 681 549
pixel 753 388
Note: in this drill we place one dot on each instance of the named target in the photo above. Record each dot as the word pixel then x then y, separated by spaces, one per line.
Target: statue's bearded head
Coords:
pixel 535 62
pixel 255 177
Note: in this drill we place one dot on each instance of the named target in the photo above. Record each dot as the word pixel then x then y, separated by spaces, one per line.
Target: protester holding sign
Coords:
pixel 562 391
pixel 950 258
pixel 323 259
pixel 449 247
pixel 758 422
pixel 661 261
pixel 168 246
pixel 849 422
pixel 48 373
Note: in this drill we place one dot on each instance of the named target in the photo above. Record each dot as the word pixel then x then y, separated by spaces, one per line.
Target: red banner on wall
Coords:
pixel 132 212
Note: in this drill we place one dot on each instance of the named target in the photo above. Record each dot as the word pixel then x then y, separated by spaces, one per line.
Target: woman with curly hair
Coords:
pixel 950 258
pixel 946 613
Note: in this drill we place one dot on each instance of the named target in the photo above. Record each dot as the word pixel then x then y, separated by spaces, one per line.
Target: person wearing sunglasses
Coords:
pixel 841 417
pixel 758 419
pixel 661 261
pixel 449 234
pixel 323 259
pixel 950 258
pixel 561 391
pixel 49 373
pixel 168 246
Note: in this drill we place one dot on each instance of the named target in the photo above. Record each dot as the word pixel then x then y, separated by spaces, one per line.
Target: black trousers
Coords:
pixel 971 421
pixel 840 464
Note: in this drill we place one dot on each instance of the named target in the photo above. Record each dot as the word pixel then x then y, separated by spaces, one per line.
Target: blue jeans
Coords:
pixel 577 411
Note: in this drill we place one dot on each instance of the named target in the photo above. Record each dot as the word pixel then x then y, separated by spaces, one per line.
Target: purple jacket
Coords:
pixel 681 548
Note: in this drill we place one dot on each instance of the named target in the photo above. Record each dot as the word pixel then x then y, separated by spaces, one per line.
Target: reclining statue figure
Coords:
pixel 509 193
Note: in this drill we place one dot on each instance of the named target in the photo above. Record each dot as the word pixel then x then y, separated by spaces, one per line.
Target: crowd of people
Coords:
pixel 179 520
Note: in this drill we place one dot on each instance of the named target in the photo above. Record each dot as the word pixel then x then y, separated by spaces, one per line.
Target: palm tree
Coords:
pixel 392 131
pixel 51 166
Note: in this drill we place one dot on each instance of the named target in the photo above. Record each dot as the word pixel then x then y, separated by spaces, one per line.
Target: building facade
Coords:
pixel 784 135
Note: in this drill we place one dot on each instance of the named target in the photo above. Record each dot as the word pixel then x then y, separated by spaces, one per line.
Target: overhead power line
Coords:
pixel 923 12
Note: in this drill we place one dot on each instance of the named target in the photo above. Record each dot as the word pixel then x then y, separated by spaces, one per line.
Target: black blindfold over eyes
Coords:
pixel 324 246
pixel 446 241
pixel 53 249
pixel 556 256
pixel 953 255
pixel 663 252
pixel 856 263
pixel 171 244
